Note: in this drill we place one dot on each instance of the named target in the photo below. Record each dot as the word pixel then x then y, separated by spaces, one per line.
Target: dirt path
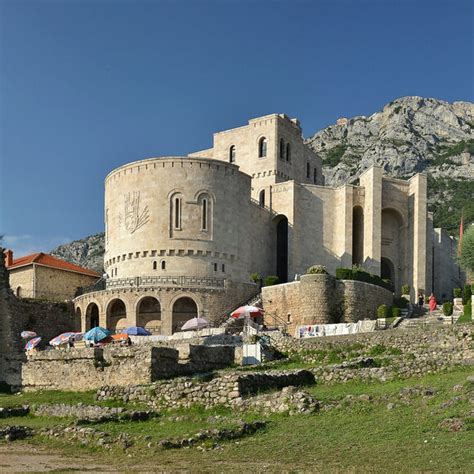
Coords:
pixel 22 457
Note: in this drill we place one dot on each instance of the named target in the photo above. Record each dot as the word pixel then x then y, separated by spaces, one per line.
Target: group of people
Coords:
pixel 431 301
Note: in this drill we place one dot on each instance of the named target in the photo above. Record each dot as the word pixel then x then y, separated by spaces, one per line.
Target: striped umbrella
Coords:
pixel 28 334
pixel 252 311
pixel 63 338
pixel 96 334
pixel 195 323
pixel 32 343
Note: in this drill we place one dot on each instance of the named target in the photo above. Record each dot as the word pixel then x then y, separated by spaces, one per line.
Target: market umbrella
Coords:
pixel 28 334
pixel 96 334
pixel 63 338
pixel 32 343
pixel 195 323
pixel 137 331
pixel 252 311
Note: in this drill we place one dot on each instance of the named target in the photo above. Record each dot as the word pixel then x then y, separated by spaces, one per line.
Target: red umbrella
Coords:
pixel 252 311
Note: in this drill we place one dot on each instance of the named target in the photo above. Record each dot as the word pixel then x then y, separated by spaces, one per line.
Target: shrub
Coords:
pixel 270 280
pixel 401 303
pixel 396 312
pixel 357 273
pixel 466 317
pixel 316 270
pixel 405 289
pixel 457 292
pixel 466 294
pixel 448 308
pixel 255 277
pixel 382 311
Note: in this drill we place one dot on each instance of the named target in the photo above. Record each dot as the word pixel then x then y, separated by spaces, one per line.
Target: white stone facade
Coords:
pixel 196 227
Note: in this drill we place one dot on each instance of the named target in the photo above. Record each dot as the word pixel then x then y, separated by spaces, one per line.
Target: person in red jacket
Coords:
pixel 432 302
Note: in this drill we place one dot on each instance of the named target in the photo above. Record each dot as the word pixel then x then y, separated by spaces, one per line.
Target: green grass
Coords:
pixel 334 155
pixel 365 437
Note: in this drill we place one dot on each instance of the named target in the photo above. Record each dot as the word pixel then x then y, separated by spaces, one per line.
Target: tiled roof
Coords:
pixel 50 261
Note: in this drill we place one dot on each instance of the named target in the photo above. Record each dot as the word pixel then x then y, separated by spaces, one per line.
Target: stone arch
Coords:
pixel 357 235
pixel 78 320
pixel 184 307
pixel 393 251
pixel 148 310
pixel 205 201
pixel 261 198
pixel 92 315
pixel 262 147
pixel 116 315
pixel 281 231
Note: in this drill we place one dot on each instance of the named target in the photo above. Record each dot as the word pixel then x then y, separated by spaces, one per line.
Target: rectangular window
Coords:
pixel 215 267
pixel 177 213
pixel 223 268
pixel 204 214
pixel 307 170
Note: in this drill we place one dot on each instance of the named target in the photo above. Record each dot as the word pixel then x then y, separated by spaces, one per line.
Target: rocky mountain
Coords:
pixel 88 252
pixel 409 135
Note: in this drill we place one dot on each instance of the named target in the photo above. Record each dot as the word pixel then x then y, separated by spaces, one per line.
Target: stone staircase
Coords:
pixel 435 317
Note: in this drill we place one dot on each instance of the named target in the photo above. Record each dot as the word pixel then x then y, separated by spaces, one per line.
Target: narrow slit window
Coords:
pixel 215 267
pixel 163 265
pixel 177 213
pixel 262 147
pixel 282 149
pixel 288 152
pixel 154 266
pixel 232 154
pixel 223 268
pixel 261 198
pixel 204 216
pixel 307 170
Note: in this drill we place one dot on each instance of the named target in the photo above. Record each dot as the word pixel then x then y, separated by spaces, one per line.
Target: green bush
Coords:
pixel 400 303
pixel 466 317
pixel 255 277
pixel 270 280
pixel 382 311
pixel 448 308
pixel 356 273
pixel 316 270
pixel 466 294
pixel 457 292
pixel 396 312
pixel 405 289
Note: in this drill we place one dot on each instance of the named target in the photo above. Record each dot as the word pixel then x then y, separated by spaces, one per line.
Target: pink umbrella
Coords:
pixel 252 311
pixel 32 343
pixel 28 334
pixel 195 323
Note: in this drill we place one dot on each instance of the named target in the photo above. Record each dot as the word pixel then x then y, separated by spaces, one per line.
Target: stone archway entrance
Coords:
pixel 116 315
pixel 92 316
pixel 387 271
pixel 282 249
pixel 149 314
pixel 183 309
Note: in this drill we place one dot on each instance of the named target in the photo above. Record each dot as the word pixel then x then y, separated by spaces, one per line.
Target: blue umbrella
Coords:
pixel 96 334
pixel 137 331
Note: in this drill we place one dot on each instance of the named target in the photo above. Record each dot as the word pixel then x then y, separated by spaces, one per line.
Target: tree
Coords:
pixel 466 256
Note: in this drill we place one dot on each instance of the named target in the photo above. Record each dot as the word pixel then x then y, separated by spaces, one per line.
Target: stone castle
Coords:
pixel 183 234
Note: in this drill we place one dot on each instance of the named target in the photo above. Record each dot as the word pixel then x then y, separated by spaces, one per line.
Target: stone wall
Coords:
pixel 224 389
pixel 321 299
pixel 47 319
pixel 89 368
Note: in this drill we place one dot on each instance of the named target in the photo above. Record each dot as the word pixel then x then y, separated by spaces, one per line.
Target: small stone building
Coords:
pixel 43 276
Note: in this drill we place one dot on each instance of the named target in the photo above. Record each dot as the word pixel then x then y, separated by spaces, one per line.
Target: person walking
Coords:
pixel 432 302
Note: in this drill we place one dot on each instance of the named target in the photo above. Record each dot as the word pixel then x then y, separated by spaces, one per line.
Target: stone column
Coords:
pixel 418 223
pixel 371 181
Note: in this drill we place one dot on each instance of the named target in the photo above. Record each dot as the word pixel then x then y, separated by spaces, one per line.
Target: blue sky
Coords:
pixel 86 86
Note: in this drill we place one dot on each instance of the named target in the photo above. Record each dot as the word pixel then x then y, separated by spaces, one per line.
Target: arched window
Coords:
pixel 18 292
pixel 261 198
pixel 154 266
pixel 232 154
pixel 262 147
pixel 288 152
pixel 282 149
pixel 204 214
pixel 163 265
pixel 176 212
pixel 307 170
pixel 315 175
